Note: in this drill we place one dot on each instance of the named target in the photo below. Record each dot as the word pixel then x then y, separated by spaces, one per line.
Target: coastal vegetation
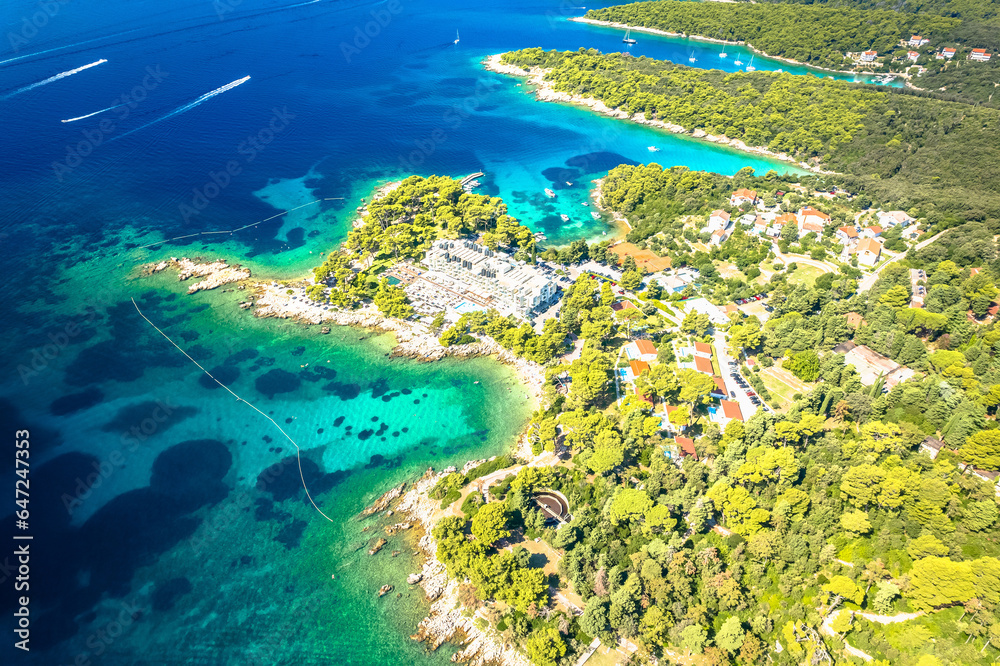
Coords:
pixel 897 148
pixel 400 223
pixel 807 33
pixel 796 528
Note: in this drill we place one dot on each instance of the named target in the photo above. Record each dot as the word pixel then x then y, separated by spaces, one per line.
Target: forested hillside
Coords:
pixel 820 517
pixel 819 35
pixel 899 147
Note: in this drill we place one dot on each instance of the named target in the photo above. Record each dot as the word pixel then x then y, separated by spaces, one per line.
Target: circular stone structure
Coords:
pixel 553 504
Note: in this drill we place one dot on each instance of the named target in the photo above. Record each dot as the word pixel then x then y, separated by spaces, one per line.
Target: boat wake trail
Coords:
pixel 60 75
pixel 73 120
pixel 187 107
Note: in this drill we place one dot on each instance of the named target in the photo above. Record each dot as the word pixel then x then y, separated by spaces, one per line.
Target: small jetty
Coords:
pixel 469 182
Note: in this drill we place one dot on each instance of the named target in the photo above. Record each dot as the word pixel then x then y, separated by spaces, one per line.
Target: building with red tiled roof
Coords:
pixel 720 387
pixel 742 196
pixel 703 349
pixel 702 364
pixel 645 347
pixel 687 446
pixel 946 52
pixel 645 398
pixel 874 231
pixel 869 251
pixel 810 214
pixel 869 56
pixel 623 305
pixel 847 234
pixel 731 410
pixel 980 55
pixel 637 367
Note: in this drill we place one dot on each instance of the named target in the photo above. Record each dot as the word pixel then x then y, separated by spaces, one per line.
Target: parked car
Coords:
pixel 732 394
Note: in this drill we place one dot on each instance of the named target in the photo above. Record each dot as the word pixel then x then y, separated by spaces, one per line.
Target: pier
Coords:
pixel 471 177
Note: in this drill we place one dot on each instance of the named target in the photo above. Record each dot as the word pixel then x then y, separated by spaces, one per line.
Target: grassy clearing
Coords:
pixel 805 275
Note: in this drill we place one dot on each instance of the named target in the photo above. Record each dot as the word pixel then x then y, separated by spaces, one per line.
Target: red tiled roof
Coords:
pixel 744 192
pixel 875 229
pixel 623 305
pixel 645 347
pixel 638 367
pixel 947 50
pixel 702 364
pixel 644 397
pixel 979 51
pixel 720 384
pixel 870 245
pixel 787 218
pixel 851 232
pixel 731 410
pixel 703 347
pixel 720 213
pixel 687 446
pixel 809 210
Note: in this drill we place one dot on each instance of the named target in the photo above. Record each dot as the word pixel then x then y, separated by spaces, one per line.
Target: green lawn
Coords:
pixel 804 275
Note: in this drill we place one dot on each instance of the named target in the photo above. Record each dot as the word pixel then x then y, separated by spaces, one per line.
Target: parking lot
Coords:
pixel 739 389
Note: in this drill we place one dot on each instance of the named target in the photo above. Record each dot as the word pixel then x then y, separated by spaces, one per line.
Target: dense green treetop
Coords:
pixel 801 32
pixel 892 146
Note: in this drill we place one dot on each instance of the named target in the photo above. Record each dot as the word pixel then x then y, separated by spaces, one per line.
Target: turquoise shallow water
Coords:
pixel 149 487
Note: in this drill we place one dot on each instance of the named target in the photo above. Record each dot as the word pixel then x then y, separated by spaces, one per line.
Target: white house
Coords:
pixel 641 350
pixel 869 251
pixel 810 214
pixel 742 196
pixel 946 53
pixel 809 227
pixel 869 56
pixel 912 56
pixel 720 236
pixel 847 235
pixel 719 219
pixel 980 55
pixel 873 231
pixel 894 217
pixel 917 40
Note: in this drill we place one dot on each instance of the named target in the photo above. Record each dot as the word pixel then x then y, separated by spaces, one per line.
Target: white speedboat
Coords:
pixel 549 193
pixel 565 217
pixel 653 149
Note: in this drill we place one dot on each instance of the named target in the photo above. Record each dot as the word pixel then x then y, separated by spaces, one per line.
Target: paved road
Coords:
pixel 804 260
pixel 722 353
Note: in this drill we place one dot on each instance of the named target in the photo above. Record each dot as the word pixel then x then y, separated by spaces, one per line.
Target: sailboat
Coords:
pixel 627 39
pixel 738 62
pixel 691 57
pixel 456 37
pixel 724 44
pixel 750 67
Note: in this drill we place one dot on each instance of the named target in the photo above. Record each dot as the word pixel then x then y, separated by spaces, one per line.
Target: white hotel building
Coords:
pixel 492 278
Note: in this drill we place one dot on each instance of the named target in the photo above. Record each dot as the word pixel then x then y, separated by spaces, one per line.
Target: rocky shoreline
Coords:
pixel 545 91
pixel 216 273
pixel 269 299
pixel 447 620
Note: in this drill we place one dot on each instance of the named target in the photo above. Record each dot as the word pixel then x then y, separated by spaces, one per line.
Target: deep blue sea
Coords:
pixel 168 524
